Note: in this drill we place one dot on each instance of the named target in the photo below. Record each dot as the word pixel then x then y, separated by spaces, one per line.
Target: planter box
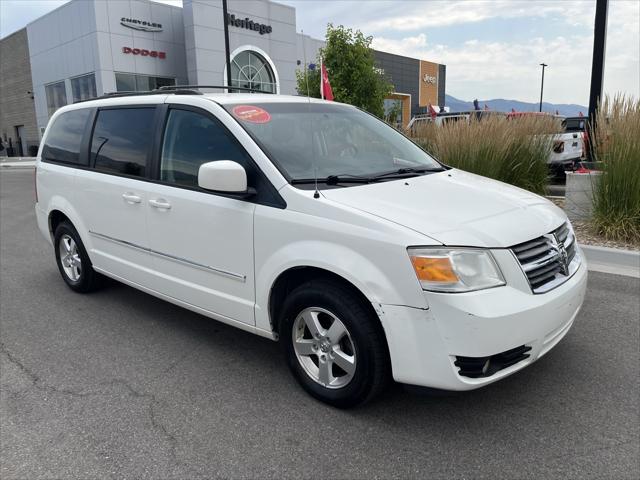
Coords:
pixel 579 194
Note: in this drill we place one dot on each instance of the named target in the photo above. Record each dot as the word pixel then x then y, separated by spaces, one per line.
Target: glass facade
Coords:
pixel 393 114
pixel 83 87
pixel 129 82
pixel 250 70
pixel 56 96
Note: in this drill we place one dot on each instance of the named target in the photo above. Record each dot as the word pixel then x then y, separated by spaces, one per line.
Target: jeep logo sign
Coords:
pixel 426 78
pixel 143 25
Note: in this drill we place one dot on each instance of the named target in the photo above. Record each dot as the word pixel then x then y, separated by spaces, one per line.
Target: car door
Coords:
pixel 202 241
pixel 112 193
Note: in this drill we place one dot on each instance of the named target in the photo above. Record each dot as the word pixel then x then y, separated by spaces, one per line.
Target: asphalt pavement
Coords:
pixel 120 384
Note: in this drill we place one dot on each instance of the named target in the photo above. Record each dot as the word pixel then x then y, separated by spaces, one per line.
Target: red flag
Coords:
pixel 325 86
pixel 432 112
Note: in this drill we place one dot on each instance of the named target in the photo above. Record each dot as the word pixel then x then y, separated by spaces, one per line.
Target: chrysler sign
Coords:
pixel 143 25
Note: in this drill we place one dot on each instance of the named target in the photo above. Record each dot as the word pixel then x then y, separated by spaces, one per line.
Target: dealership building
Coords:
pixel 87 48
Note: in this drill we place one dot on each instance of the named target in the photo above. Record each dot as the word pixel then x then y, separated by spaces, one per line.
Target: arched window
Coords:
pixel 249 69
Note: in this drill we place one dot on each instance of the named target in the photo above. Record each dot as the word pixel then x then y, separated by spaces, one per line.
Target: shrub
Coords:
pixel 351 66
pixel 616 200
pixel 514 151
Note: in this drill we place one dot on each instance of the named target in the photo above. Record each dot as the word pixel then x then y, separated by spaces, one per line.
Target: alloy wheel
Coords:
pixel 70 257
pixel 324 348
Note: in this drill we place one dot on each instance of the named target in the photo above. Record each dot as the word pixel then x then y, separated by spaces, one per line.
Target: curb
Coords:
pixel 612 260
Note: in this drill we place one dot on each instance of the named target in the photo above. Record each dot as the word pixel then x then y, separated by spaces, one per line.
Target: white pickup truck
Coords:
pixel 441 119
pixel 568 146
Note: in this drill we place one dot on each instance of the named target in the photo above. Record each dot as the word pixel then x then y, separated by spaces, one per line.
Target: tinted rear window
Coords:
pixel 65 136
pixel 574 124
pixel 121 140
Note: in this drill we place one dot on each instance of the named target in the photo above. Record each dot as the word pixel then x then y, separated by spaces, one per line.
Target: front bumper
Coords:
pixel 424 343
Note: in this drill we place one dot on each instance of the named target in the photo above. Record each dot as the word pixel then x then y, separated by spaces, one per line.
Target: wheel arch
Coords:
pixel 56 217
pixel 59 209
pixel 294 276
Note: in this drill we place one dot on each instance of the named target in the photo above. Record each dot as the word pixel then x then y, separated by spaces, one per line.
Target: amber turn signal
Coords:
pixel 434 269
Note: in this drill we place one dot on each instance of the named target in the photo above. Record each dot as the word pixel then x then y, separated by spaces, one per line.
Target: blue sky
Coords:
pixel 492 48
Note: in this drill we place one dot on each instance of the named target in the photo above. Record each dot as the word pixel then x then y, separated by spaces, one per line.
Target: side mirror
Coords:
pixel 223 176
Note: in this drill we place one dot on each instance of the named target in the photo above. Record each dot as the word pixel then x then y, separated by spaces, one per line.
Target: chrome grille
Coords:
pixel 549 260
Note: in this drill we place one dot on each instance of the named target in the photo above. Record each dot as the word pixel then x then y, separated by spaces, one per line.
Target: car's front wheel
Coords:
pixel 333 344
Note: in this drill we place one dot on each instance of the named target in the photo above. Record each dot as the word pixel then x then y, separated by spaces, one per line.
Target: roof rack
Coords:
pixel 138 94
pixel 173 89
pixel 224 87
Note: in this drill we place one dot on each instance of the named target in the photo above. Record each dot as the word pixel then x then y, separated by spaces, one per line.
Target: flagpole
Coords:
pixel 321 80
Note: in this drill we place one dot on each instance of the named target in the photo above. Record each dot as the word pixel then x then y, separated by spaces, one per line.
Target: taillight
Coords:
pixel 35 182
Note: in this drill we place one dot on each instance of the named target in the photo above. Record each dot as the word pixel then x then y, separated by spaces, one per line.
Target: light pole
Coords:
pixel 227 57
pixel 543 65
pixel 597 62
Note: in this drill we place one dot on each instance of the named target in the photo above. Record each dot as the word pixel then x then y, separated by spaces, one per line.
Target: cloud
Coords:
pixel 449 13
pixel 488 69
pixel 486 65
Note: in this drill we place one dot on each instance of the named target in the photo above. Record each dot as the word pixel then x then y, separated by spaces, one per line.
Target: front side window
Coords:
pixel 192 139
pixel 83 87
pixel 56 94
pixel 309 140
pixel 65 136
pixel 121 140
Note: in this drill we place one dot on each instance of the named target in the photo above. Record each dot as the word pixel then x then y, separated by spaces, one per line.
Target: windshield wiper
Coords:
pixel 332 180
pixel 348 178
pixel 407 170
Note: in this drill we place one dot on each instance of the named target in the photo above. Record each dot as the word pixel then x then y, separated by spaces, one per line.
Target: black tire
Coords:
pixel 87 279
pixel 365 334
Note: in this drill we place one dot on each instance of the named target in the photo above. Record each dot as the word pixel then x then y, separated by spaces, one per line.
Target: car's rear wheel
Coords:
pixel 73 261
pixel 333 344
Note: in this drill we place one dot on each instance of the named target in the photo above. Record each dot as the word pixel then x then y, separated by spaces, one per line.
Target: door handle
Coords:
pixel 160 203
pixel 131 198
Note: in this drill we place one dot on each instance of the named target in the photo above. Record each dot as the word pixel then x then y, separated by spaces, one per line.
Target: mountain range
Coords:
pixel 502 105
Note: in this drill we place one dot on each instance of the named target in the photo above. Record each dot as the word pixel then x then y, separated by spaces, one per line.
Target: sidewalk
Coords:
pixel 17 162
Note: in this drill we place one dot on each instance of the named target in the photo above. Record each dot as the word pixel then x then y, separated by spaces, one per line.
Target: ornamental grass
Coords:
pixel 616 200
pixel 514 150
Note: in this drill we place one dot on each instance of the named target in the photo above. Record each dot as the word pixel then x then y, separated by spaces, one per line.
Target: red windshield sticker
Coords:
pixel 250 113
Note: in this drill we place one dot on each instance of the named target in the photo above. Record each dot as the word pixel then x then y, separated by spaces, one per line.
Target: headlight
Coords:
pixel 455 270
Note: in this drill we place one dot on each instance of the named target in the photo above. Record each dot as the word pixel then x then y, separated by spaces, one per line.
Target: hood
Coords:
pixel 456 208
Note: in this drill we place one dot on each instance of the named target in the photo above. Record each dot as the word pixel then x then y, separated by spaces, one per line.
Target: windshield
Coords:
pixel 306 140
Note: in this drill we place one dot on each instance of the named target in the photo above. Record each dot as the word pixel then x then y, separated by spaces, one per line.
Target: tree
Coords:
pixel 354 78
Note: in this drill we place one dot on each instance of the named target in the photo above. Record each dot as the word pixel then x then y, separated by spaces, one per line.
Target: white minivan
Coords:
pixel 315 224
